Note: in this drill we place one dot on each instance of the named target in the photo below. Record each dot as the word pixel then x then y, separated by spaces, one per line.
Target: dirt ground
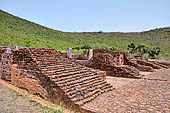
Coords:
pixel 13 102
pixel 16 100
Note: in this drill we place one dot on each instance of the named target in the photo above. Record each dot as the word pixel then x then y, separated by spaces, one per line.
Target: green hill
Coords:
pixel 17 31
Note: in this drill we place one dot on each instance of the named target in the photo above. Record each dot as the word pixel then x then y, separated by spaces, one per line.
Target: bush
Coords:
pixel 86 47
pixel 77 48
pixel 142 49
pixel 114 49
pixel 131 48
pixel 28 43
pixel 152 53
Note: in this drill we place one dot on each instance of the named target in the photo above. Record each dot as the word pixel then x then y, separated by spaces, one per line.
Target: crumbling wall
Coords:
pixel 57 77
pixel 120 64
pixel 25 79
pixel 107 62
pixel 5 65
pixel 120 58
pixel 2 50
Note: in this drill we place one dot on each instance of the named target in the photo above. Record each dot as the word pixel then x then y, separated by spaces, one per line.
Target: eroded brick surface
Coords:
pixel 144 96
pixel 160 75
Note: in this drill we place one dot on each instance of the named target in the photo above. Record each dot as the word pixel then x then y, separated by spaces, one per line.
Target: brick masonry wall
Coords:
pixel 120 64
pixel 50 74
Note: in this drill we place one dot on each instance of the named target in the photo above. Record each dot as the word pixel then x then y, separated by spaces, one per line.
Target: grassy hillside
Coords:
pixel 17 31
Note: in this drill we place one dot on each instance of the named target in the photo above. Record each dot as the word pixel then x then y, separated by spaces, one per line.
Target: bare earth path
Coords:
pixel 12 102
pixel 138 96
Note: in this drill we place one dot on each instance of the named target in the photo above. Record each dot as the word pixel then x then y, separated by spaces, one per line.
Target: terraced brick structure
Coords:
pixel 50 74
pixel 120 64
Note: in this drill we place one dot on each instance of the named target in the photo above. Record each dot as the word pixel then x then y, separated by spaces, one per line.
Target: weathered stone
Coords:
pixel 69 53
pixel 90 54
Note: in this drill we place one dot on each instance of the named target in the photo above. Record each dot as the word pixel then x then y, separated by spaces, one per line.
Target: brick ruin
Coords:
pixel 120 64
pixel 50 74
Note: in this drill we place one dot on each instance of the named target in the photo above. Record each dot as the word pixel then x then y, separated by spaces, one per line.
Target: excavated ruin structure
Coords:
pixel 50 74
pixel 120 64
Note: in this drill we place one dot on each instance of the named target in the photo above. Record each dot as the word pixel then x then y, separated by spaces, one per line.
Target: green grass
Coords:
pixel 16 31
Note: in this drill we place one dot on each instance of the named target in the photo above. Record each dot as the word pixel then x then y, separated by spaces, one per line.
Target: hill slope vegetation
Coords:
pixel 16 31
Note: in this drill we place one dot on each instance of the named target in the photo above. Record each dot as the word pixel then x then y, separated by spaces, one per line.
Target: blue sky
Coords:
pixel 93 15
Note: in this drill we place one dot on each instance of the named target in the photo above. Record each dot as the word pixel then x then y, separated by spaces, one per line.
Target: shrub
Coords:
pixel 141 50
pixel 131 48
pixel 152 53
pixel 114 49
pixel 77 48
pixel 28 43
pixel 86 47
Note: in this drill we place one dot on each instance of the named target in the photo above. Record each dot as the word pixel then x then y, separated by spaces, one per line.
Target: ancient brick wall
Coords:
pixel 114 63
pixel 25 79
pixel 2 50
pixel 60 78
pixel 121 58
pixel 5 65
pixel 120 63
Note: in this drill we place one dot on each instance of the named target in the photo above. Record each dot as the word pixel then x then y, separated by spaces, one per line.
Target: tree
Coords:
pixel 131 48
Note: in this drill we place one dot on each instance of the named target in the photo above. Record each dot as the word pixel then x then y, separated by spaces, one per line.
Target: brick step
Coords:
pixel 62 71
pixel 72 78
pixel 84 85
pixel 91 97
pixel 90 88
pixel 56 66
pixel 161 65
pixel 75 77
pixel 148 64
pixel 56 69
pixel 75 83
pixel 110 88
pixel 106 88
pixel 66 73
pixel 86 98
